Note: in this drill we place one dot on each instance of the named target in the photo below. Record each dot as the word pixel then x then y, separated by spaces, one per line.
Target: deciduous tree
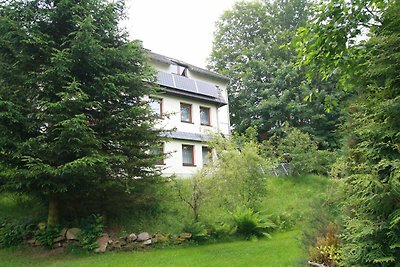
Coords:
pixel 267 87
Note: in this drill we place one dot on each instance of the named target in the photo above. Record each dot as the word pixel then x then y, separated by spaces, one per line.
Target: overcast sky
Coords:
pixel 181 29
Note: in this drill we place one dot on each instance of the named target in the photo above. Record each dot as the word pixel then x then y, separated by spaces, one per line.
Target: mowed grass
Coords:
pixel 284 249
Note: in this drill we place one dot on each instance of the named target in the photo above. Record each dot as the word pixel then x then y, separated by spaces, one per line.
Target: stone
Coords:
pixel 33 242
pixel 185 235
pixel 57 245
pixel 116 244
pixel 143 236
pixel 159 238
pixel 147 242
pixel 73 234
pixel 102 243
pixel 58 239
pixel 131 238
pixel 63 232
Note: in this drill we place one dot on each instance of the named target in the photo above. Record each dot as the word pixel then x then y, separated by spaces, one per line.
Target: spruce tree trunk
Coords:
pixel 53 217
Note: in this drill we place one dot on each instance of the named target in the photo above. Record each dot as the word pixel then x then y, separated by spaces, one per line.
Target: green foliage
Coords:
pixel 237 175
pixel 13 233
pixel 46 234
pixel 326 249
pixel 249 223
pixel 71 111
pixel 198 230
pixel 91 231
pixel 283 221
pixel 17 207
pixel 298 149
pixel 193 195
pixel 221 230
pixel 371 226
pixel 328 44
pixel 267 88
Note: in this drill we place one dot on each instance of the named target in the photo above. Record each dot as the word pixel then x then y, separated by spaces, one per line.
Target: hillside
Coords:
pixel 289 198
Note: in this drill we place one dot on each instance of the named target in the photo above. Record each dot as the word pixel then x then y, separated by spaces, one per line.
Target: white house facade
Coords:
pixel 194 104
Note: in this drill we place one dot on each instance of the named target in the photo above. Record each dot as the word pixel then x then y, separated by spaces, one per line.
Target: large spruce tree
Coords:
pixel 72 118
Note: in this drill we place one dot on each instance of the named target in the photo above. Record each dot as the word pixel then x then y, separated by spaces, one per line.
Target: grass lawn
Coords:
pixel 292 196
pixel 284 249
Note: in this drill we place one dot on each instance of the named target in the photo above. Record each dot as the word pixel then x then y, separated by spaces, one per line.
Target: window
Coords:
pixel 159 151
pixel 205 116
pixel 179 69
pixel 156 106
pixel 186 113
pixel 188 155
pixel 206 153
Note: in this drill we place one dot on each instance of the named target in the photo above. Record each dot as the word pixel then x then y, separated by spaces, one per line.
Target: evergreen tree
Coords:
pixel 331 44
pixel 72 116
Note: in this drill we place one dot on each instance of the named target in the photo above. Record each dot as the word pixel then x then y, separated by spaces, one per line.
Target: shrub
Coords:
pixel 326 248
pixel 192 195
pixel 238 173
pixel 13 233
pixel 198 230
pixel 92 229
pixel 221 230
pixel 46 234
pixel 283 221
pixel 300 150
pixel 249 223
pixel 340 168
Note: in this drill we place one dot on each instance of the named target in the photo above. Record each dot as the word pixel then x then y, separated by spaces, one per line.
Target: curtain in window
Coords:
pixel 185 113
pixel 187 155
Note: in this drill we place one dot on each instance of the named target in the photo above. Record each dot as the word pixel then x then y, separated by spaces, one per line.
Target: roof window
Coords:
pixel 179 69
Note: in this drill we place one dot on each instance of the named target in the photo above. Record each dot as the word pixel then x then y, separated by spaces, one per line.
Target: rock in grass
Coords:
pixel 102 243
pixel 63 232
pixel 143 236
pixel 186 236
pixel 131 238
pixel 73 234
pixel 147 242
pixel 58 239
pixel 159 238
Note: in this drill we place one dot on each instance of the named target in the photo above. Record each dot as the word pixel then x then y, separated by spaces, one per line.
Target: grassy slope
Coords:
pixel 282 250
pixel 294 195
pixel 290 195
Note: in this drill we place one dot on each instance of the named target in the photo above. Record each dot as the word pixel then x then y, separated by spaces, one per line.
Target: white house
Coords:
pixel 195 102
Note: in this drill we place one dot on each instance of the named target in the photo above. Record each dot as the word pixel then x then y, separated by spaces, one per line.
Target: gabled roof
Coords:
pixel 195 89
pixel 168 60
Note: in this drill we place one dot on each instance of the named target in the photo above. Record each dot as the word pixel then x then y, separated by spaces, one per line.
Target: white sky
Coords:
pixel 181 29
